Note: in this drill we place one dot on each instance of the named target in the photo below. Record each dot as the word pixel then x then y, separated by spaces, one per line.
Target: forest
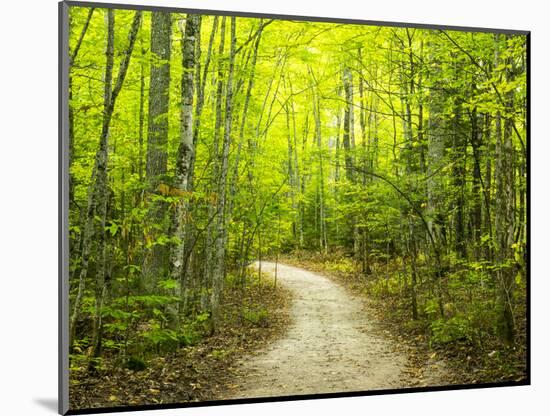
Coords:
pixel 392 157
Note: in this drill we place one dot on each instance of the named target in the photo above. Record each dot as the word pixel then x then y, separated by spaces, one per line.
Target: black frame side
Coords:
pixel 528 202
pixel 63 209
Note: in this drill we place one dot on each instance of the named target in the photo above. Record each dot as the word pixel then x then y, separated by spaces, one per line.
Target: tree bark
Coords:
pixel 185 149
pixel 504 214
pixel 156 259
pixel 348 141
pixel 323 243
pixel 213 211
pixel 219 259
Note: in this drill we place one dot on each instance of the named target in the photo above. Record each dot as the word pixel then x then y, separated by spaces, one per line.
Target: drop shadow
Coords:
pixel 49 404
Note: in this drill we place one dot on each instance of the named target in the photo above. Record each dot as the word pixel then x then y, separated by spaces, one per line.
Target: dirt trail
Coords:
pixel 331 346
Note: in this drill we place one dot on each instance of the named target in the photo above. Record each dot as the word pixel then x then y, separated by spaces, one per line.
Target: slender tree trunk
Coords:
pixel 414 272
pixel 243 255
pixel 436 134
pixel 298 220
pixel 348 125
pixel 337 172
pixel 185 149
pixel 101 178
pixel 141 121
pixel 219 250
pixel 436 152
pixel 459 173
pixel 504 215
pixel 201 83
pixel 290 174
pixel 323 242
pixel 365 156
pixel 213 212
pixel 488 206
pixel 243 120
pixel 348 141
pixel 200 86
pixel 476 213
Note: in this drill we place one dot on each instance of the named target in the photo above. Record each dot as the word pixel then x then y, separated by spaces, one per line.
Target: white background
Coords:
pixel 28 208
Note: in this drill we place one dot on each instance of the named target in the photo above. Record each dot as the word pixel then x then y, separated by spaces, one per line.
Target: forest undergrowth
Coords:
pixel 254 314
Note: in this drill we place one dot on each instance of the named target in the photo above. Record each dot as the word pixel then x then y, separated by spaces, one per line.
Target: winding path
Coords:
pixel 331 346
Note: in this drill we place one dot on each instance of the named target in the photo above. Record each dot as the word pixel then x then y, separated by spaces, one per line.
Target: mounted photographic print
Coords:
pixel 258 207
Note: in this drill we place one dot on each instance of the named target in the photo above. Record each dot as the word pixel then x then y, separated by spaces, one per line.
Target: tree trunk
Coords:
pixel 476 139
pixel 459 173
pixel 323 242
pixel 436 134
pixel 504 215
pixel 219 250
pixel 156 259
pixel 348 141
pixel 213 212
pixel 185 149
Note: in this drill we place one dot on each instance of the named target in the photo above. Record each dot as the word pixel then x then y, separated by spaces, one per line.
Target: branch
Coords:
pixel 413 206
pixel 132 35
pixel 254 36
pixel 81 38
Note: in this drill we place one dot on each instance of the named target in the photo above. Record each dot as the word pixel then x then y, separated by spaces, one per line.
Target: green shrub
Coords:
pixel 257 317
pixel 457 328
